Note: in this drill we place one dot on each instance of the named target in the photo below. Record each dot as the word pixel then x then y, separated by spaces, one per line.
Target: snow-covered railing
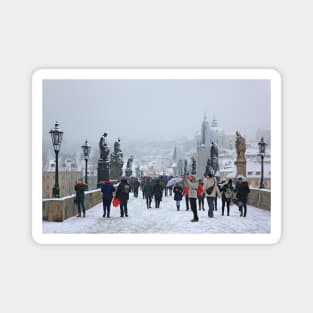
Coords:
pixel 260 198
pixel 59 209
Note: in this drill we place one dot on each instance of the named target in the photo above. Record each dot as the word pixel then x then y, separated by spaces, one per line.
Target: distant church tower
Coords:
pixel 204 138
pixel 214 122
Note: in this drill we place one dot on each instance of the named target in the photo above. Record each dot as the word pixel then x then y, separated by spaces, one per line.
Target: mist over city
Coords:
pixel 143 111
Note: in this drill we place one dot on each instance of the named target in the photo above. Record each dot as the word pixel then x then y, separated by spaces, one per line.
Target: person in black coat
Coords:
pixel 148 192
pixel 242 196
pixel 227 190
pixel 122 193
pixel 80 188
pixel 178 194
pixel 157 192
pixel 136 185
pixel 107 190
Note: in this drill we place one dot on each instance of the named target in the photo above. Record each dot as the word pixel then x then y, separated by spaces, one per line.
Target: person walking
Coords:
pixel 211 190
pixel 136 188
pixel 80 188
pixel 227 190
pixel 122 193
pixel 157 192
pixel 178 194
pixel 193 187
pixel 142 184
pixel 242 196
pixel 107 190
pixel 200 195
pixel 186 194
pixel 148 192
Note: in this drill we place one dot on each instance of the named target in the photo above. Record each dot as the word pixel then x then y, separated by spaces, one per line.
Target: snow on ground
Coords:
pixel 165 220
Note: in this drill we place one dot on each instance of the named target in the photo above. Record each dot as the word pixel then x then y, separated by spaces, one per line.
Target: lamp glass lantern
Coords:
pixel 262 145
pixel 86 150
pixel 56 136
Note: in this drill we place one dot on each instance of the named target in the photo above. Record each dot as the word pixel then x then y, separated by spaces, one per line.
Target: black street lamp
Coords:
pixel 262 145
pixel 86 151
pixel 56 136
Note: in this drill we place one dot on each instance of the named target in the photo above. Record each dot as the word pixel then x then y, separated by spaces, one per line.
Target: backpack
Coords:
pixel 126 189
pixel 228 193
pixel 210 189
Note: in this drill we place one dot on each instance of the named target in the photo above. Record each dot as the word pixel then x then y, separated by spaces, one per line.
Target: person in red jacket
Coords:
pixel 186 194
pixel 200 195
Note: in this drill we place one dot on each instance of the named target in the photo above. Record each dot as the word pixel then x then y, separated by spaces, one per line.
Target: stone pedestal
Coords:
pixel 241 167
pixel 103 171
pixel 115 172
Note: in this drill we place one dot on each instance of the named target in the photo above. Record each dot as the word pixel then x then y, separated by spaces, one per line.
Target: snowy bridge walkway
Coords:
pixel 165 220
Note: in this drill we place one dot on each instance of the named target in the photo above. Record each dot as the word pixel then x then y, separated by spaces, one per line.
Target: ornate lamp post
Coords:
pixel 262 145
pixel 56 136
pixel 86 151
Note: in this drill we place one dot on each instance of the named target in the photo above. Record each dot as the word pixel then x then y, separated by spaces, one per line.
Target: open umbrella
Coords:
pixel 173 181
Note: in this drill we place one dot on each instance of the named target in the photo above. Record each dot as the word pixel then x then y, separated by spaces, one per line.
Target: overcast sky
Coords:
pixel 152 109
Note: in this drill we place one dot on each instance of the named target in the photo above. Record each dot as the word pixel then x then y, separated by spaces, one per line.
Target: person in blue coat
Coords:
pixel 107 190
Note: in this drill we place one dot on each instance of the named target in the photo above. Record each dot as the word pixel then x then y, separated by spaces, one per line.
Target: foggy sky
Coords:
pixel 152 109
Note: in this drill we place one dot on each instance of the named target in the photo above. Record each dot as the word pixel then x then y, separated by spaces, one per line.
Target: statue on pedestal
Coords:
pixel 241 158
pixel 104 150
pixel 103 162
pixel 129 171
pixel 212 163
pixel 240 147
pixel 116 161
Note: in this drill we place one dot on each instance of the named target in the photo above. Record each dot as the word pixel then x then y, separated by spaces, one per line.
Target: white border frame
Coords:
pixel 276 113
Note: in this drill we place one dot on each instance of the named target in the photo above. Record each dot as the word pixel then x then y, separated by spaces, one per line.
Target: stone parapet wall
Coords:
pixel 260 198
pixel 59 209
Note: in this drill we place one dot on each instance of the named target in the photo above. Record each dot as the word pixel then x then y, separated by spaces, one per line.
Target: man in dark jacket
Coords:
pixel 107 190
pixel 148 192
pixel 157 192
pixel 242 196
pixel 122 193
pixel 136 188
pixel 80 188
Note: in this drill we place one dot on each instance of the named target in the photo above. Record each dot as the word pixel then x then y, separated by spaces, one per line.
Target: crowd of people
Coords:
pixel 193 190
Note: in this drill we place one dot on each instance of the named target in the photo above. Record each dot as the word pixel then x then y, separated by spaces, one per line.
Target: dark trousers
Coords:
pixel 81 202
pixel 210 201
pixel 136 192
pixel 171 190
pixel 106 207
pixel 201 202
pixel 123 208
pixel 215 203
pixel 157 202
pixel 187 202
pixel 227 202
pixel 165 191
pixel 244 207
pixel 193 206
pixel 148 201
